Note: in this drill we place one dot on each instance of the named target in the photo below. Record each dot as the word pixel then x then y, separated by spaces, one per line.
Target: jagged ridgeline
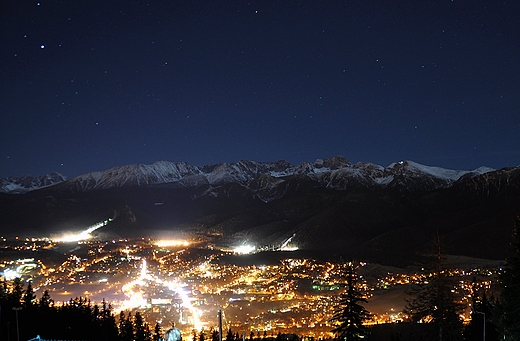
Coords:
pixel 383 213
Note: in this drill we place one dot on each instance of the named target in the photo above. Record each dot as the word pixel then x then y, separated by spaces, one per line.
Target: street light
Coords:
pixel 484 315
pixel 16 309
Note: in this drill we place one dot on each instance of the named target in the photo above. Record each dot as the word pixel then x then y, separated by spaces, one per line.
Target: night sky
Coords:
pixel 88 85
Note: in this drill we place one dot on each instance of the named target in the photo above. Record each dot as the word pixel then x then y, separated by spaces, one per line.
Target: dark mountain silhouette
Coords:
pixel 381 214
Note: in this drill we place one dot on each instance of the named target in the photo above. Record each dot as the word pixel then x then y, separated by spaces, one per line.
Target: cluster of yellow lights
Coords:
pixel 136 299
pixel 171 242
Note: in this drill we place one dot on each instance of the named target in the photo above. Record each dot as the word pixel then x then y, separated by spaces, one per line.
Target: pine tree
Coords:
pixel 140 328
pixel 230 336
pixel 16 294
pixel 29 296
pixel 435 302
pixel 96 314
pixel 349 315
pixel 3 292
pixel 482 310
pixel 126 328
pixel 45 314
pixel 157 332
pixel 121 324
pixel 214 335
pixel 508 308
pixel 45 301
pixel 107 323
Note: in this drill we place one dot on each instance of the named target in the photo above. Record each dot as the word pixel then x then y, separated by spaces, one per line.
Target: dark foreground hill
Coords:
pixel 338 208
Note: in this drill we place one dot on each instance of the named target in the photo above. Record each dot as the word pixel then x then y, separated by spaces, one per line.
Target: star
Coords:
pixel 331 70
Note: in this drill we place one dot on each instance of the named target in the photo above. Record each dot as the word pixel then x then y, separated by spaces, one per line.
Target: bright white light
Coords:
pixel 143 270
pixel 75 237
pixel 136 299
pixel 83 235
pixel 10 274
pixel 186 302
pixel 285 245
pixel 166 243
pixel 243 249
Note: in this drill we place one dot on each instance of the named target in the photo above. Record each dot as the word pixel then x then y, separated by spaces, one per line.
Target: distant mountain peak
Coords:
pixel 29 183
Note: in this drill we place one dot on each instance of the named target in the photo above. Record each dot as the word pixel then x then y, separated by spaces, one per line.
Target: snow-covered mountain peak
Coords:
pixel 438 172
pixel 418 169
pixel 135 175
pixel 28 183
pixel 483 169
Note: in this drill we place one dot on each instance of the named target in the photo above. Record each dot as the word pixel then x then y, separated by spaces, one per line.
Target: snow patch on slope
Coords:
pixel 29 183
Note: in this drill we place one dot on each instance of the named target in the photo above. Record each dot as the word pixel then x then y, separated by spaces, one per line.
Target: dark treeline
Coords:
pixel 213 335
pixel 77 319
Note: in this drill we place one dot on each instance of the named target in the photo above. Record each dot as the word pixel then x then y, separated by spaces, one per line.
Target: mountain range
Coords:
pixel 363 210
pixel 337 173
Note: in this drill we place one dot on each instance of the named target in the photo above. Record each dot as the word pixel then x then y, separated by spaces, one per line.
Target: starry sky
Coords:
pixel 88 85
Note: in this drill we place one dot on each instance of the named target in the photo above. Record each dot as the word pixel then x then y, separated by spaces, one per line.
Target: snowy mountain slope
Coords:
pixel 264 177
pixel 132 175
pixel 28 183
